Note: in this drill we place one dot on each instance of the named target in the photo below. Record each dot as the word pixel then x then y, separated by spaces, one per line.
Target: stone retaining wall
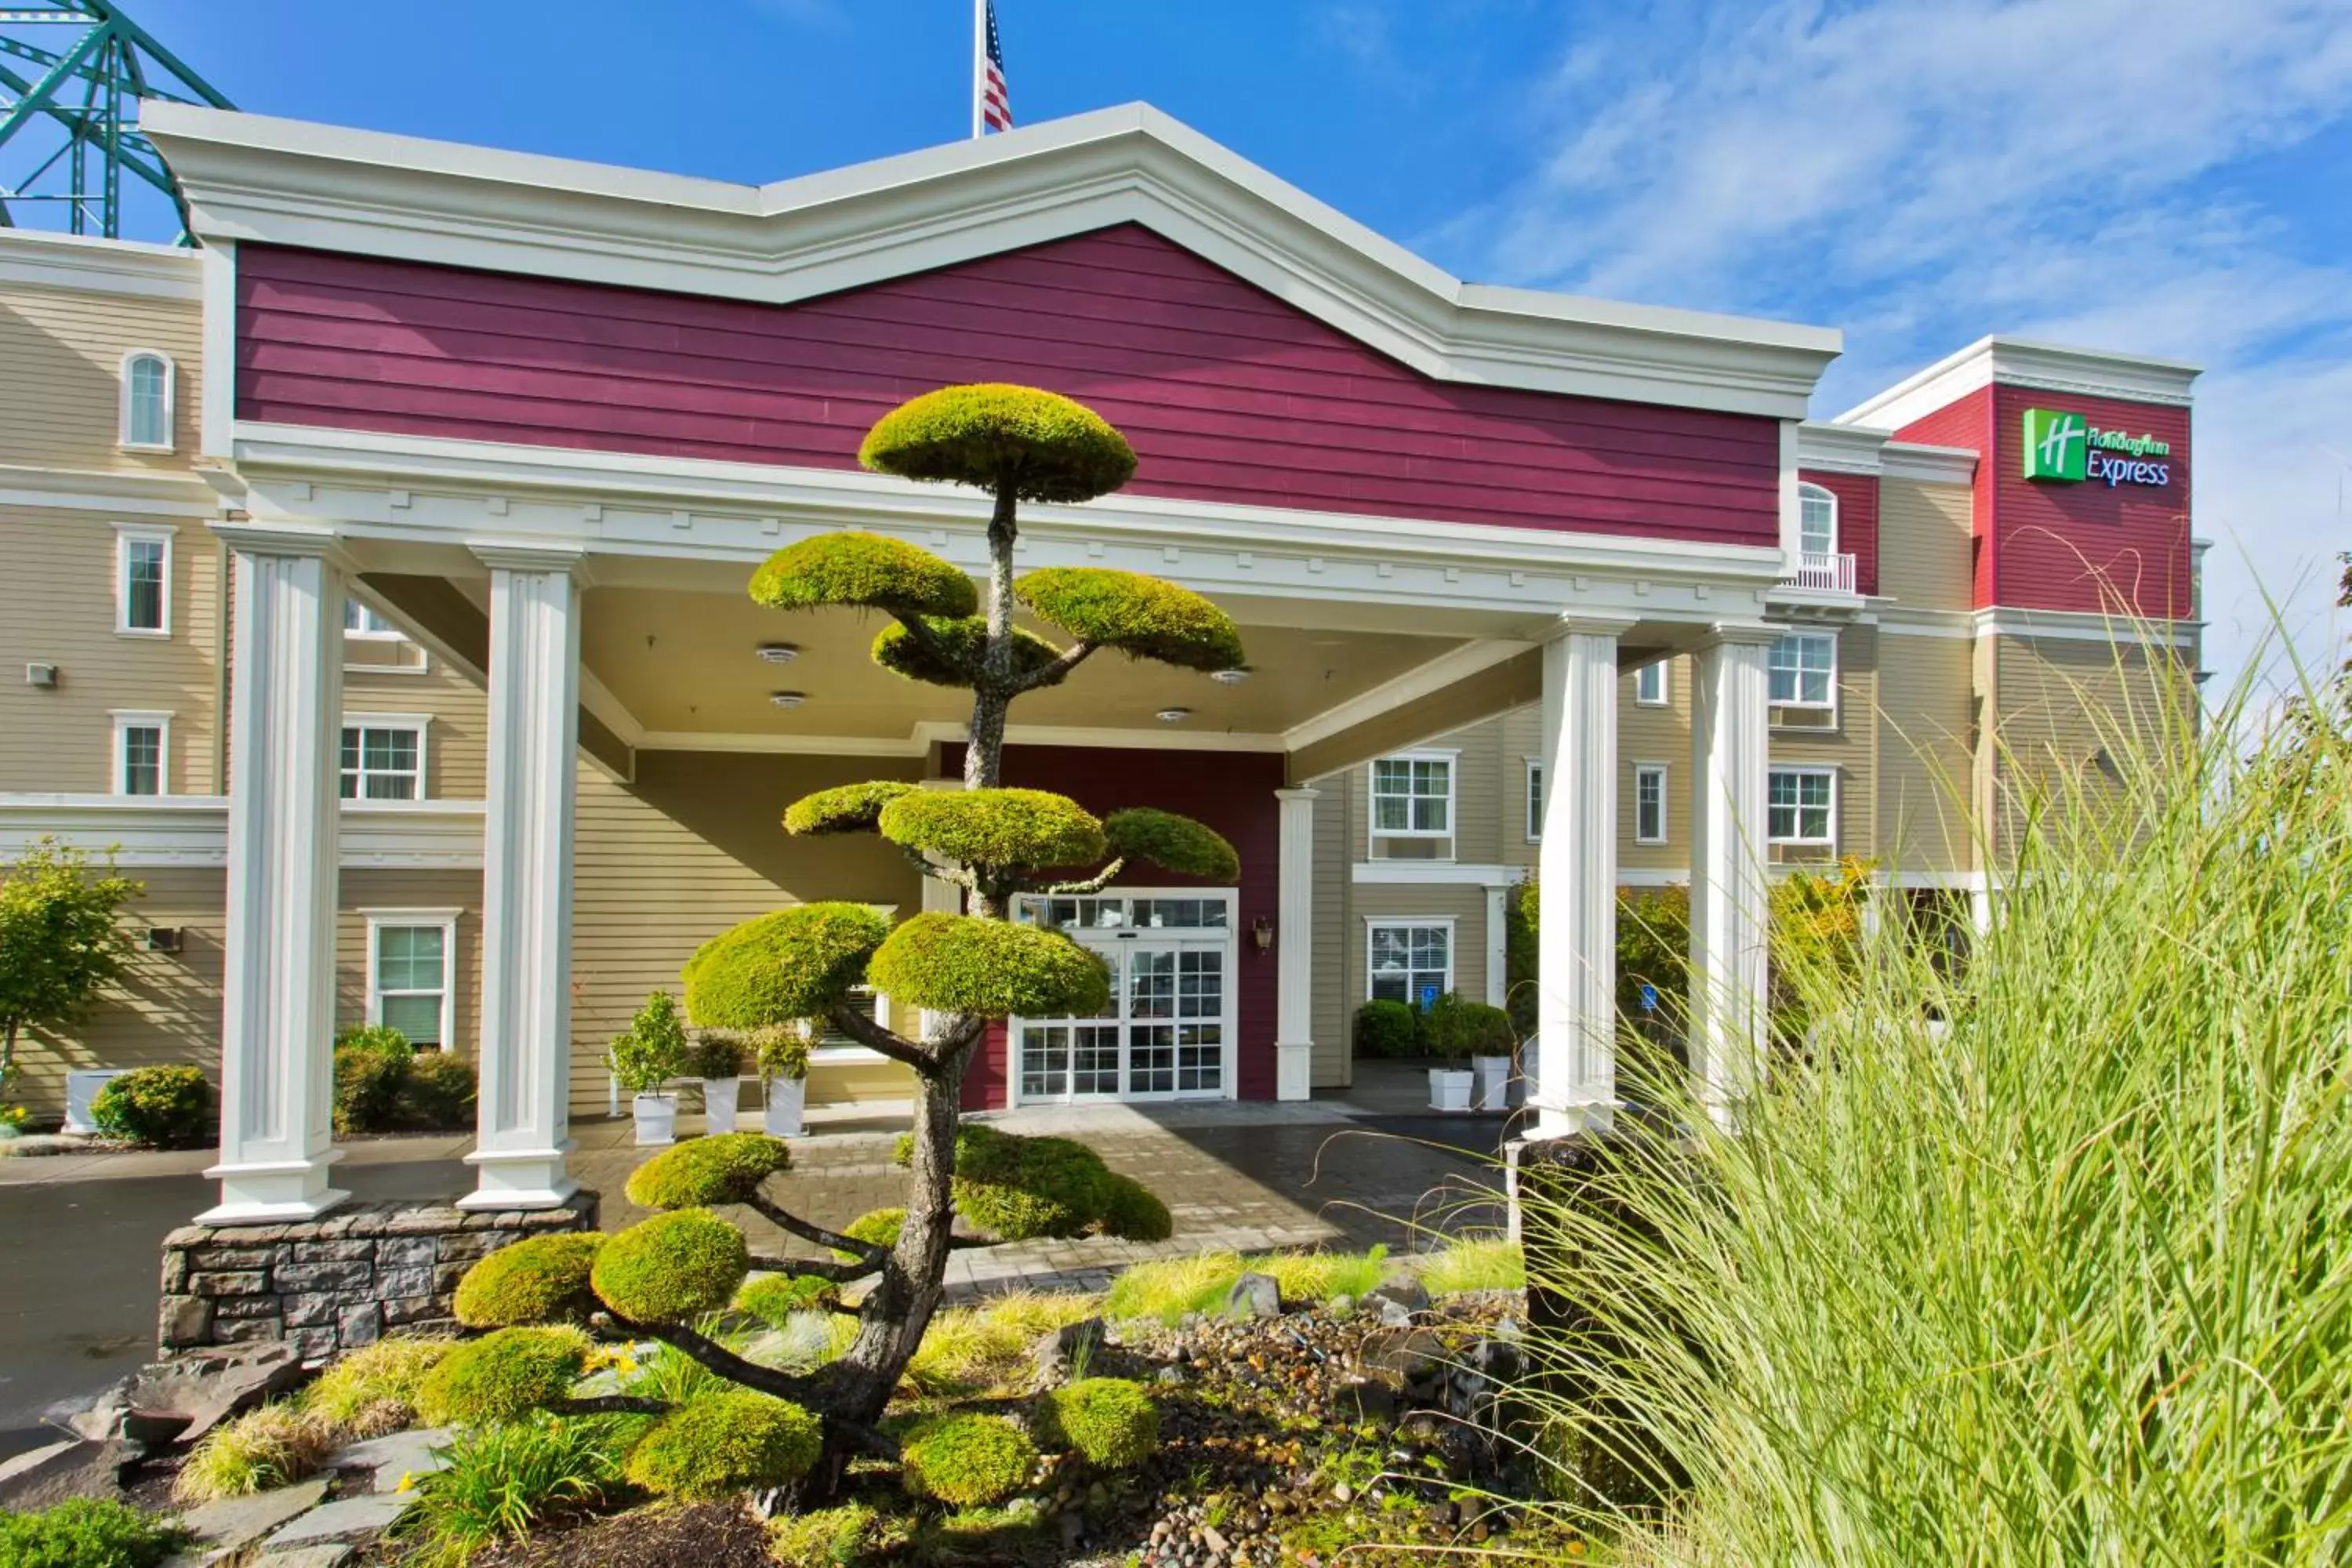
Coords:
pixel 338 1282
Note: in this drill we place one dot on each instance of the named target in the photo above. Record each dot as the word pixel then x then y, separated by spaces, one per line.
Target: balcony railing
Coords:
pixel 1832 572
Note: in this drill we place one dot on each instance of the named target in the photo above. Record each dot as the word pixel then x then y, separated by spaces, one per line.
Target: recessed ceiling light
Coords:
pixel 1232 676
pixel 1173 715
pixel 779 652
pixel 787 699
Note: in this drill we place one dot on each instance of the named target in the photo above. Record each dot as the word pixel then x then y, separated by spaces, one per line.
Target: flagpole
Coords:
pixel 978 63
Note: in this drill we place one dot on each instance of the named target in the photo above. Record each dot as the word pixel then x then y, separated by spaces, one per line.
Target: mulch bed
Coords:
pixel 705 1535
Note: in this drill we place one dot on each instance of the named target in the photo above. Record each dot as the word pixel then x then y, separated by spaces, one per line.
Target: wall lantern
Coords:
pixel 1261 933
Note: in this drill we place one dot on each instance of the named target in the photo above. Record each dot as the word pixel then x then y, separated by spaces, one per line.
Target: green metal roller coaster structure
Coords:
pixel 72 76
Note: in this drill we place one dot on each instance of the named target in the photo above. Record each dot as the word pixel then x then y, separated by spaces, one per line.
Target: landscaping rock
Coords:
pixel 328 1554
pixel 206 1389
pixel 1059 1349
pixel 1394 1314
pixel 396 1454
pixel 1255 1296
pixel 60 1470
pixel 361 1516
pixel 1404 1289
pixel 224 1531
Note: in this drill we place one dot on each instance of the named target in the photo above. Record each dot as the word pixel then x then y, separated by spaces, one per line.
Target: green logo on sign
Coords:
pixel 2057 445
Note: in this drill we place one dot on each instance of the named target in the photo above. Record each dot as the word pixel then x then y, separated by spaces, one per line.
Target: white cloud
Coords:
pixel 1923 172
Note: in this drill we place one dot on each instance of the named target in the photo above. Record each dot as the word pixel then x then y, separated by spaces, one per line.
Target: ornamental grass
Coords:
pixel 2041 1258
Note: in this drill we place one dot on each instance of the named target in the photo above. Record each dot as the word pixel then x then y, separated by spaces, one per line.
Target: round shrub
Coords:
pixel 1131 1210
pixel 437 1094
pixel 86 1532
pixel 1033 445
pixel 367 1081
pixel 995 827
pixel 968 1460
pixel 863 569
pixel 879 1226
pixel 1172 843
pixel 961 963
pixel 1454 1027
pixel 1109 1421
pixel 543 1280
pixel 774 1297
pixel 1386 1029
pixel 1141 616
pixel 168 1106
pixel 847 808
pixel 1017 1188
pixel 722 1443
pixel 725 1168
pixel 502 1376
pixel 795 963
pixel 671 1268
pixel 952 656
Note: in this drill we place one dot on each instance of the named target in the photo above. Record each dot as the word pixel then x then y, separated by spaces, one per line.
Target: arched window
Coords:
pixel 1816 521
pixel 147 378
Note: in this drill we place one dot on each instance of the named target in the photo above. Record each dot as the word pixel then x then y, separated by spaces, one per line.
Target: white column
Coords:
pixel 1730 714
pixel 1294 946
pixel 1575 1087
pixel 524 1115
pixel 277 992
pixel 1499 960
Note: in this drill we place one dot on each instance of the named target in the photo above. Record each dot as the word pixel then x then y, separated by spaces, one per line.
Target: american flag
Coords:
pixel 995 102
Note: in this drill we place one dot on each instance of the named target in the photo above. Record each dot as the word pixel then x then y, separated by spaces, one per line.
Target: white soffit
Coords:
pixel 253 178
pixel 2020 361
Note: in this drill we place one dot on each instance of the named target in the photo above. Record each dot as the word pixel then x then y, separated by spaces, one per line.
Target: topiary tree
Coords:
pixel 794 970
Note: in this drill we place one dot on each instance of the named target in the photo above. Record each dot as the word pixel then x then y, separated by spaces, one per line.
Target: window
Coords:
pixel 361 621
pixel 1535 800
pixel 1804 669
pixel 1649 802
pixel 410 959
pixel 1649 684
pixel 1816 521
pixel 142 581
pixel 142 745
pixel 383 757
pixel 147 378
pixel 1411 961
pixel 1802 807
pixel 1413 796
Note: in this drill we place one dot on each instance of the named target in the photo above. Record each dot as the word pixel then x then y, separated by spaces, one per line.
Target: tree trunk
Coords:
pixel 983 754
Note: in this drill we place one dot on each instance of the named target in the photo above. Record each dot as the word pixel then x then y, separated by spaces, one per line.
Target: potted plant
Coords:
pixel 784 1071
pixel 1445 1032
pixel 1491 1041
pixel 647 1056
pixel 717 1059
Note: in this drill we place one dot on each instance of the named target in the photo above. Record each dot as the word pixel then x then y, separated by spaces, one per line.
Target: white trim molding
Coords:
pixel 1294 944
pixel 443 919
pixel 118 768
pixel 1929 465
pixel 1435 874
pixel 2022 361
pixel 126 535
pixel 193 829
pixel 91 266
pixel 2080 626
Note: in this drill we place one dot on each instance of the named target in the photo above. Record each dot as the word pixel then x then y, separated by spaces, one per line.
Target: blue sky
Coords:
pixel 2171 177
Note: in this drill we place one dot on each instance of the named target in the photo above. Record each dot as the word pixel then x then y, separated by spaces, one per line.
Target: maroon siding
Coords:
pixel 1228 394
pixel 1857 501
pixel 1968 422
pixel 2092 546
pixel 1232 792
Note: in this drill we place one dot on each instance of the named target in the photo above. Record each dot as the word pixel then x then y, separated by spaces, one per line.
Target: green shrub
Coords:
pixel 1016 1188
pixel 714 1054
pixel 542 1279
pixel 778 969
pixel 165 1107
pixel 1144 617
pixel 437 1094
pixel 774 1297
pixel 952 652
pixel 863 569
pixel 1132 1212
pixel 1110 1422
pixel 498 1483
pixel 503 1376
pixel 367 1088
pixel 268 1446
pixel 962 964
pixel 880 1227
pixel 1386 1029
pixel 382 1038
pixel 375 1389
pixel 1456 1029
pixel 723 1168
pixel 86 1532
pixel 784 1051
pixel 1172 843
pixel 968 1460
pixel 651 1051
pixel 724 1444
pixel 995 827
pixel 845 808
pixel 1016 440
pixel 671 1268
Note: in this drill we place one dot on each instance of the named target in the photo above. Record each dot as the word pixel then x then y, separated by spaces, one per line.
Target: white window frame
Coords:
pixel 1829 840
pixel 1535 800
pixel 1827 497
pixel 171 400
pixel 126 721
pixel 1664 694
pixel 1451 757
pixel 421 723
pixel 126 535
pixel 1408 923
pixel 1829 702
pixel 1657 771
pixel 381 631
pixel 378 922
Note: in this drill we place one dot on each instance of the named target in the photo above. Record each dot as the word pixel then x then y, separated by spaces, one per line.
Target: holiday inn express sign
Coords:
pixel 2067 448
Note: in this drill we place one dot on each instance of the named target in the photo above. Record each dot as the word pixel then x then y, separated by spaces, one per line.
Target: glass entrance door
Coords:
pixel 1168 1030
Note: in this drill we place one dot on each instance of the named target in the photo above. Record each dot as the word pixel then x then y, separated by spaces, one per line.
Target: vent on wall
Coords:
pixel 164 938
pixel 42 675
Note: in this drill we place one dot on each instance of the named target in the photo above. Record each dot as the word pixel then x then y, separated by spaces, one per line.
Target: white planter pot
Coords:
pixel 1494 1076
pixel 1449 1088
pixel 720 1096
pixel 657 1118
pixel 787 1099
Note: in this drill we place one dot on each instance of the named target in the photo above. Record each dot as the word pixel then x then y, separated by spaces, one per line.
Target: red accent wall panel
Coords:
pixel 1857 502
pixel 2091 546
pixel 1968 422
pixel 1228 394
pixel 1232 792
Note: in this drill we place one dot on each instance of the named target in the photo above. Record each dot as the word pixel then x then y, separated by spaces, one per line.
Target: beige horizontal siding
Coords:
pixel 455 750
pixel 1923 543
pixel 2067 710
pixel 60 399
pixel 1926 717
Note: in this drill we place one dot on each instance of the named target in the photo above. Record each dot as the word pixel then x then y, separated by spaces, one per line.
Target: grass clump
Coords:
pixel 966 1348
pixel 501 1482
pixel 834 1537
pixel 543 1280
pixel 86 1532
pixel 2039 1258
pixel 503 1376
pixel 968 1461
pixel 722 1444
pixel 1110 1422
pixel 375 1389
pixel 268 1446
pixel 1167 1289
pixel 1474 1264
